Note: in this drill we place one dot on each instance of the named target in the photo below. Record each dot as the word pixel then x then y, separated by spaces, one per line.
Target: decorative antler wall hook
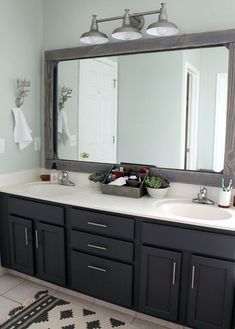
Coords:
pixel 22 91
pixel 65 94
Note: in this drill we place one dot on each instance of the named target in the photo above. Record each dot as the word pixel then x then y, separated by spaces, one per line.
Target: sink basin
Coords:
pixel 47 188
pixel 187 209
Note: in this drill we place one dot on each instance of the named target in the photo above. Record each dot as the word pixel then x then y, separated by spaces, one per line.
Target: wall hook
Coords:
pixel 22 91
pixel 65 94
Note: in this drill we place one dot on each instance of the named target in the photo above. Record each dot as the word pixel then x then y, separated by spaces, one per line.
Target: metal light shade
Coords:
pixel 127 31
pixel 162 27
pixel 94 36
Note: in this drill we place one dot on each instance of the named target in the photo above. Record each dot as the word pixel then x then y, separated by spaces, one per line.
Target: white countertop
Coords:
pixel 89 196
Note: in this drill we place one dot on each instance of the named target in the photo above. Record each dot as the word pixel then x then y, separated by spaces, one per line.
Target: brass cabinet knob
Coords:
pixel 85 155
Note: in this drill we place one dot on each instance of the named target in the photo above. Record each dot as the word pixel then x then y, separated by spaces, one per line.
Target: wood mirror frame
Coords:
pixel 189 41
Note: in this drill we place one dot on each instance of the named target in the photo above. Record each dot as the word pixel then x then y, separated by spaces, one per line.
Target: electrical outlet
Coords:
pixel 37 143
pixel 73 140
pixel 2 145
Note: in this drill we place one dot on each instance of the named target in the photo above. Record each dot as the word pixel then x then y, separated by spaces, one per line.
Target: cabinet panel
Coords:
pixel 102 246
pixel 35 210
pixel 102 278
pixel 100 223
pixel 21 244
pixel 211 293
pixel 50 247
pixel 212 244
pixel 159 282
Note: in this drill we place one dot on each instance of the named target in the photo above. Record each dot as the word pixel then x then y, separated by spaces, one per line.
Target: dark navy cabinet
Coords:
pixel 160 282
pixel 37 239
pixel 180 273
pixel 102 255
pixel 50 253
pixel 211 293
pixel 21 244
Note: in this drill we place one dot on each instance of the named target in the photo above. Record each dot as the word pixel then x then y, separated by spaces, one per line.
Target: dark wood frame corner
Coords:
pixel 189 41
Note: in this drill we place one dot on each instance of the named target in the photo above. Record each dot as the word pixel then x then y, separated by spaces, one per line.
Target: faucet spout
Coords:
pixel 202 197
pixel 64 179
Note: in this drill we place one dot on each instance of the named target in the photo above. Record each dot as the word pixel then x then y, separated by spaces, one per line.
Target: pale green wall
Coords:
pixel 149 109
pixel 21 27
pixel 66 20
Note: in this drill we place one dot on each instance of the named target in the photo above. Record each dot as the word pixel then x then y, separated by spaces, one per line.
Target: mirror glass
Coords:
pixel 166 109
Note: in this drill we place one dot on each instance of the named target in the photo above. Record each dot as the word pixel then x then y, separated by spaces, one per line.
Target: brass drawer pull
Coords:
pixel 97 268
pixel 97 224
pixel 96 247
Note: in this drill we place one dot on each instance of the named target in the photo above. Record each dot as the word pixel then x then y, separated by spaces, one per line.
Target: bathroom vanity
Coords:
pixel 169 268
pixel 125 251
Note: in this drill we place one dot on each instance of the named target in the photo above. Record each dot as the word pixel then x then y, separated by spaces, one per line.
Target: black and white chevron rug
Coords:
pixel 49 312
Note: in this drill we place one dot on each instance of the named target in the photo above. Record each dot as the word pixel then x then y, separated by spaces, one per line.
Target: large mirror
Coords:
pixel 166 109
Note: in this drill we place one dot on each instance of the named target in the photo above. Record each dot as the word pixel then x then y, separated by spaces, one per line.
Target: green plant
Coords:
pixel 97 176
pixel 156 182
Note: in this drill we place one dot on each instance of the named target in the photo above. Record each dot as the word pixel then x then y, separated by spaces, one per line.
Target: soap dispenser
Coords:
pixel 54 174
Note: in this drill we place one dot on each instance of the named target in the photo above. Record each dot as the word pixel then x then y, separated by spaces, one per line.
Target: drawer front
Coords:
pixel 106 224
pixel 34 210
pixel 102 278
pixel 206 243
pixel 102 246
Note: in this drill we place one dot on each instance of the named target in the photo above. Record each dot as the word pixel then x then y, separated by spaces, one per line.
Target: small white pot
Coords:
pixel 157 193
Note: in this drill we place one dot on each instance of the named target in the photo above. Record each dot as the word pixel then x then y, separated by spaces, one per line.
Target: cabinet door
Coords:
pixel 211 293
pixel 50 250
pixel 159 282
pixel 21 244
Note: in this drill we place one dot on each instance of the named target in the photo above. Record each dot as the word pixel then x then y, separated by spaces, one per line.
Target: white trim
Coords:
pixel 193 116
pixel 220 121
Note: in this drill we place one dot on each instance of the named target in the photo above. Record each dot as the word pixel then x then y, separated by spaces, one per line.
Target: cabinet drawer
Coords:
pixel 102 278
pixel 102 223
pixel 212 244
pixel 34 210
pixel 102 246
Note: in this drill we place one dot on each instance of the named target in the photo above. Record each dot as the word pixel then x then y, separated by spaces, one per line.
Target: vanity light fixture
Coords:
pixel 131 28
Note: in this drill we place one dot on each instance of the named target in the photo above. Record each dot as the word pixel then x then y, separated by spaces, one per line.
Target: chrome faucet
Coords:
pixel 202 197
pixel 64 179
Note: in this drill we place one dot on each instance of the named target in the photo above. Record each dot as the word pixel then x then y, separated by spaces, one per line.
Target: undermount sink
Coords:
pixel 47 188
pixel 187 209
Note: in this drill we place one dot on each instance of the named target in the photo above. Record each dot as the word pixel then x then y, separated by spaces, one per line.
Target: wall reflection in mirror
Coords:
pixel 166 109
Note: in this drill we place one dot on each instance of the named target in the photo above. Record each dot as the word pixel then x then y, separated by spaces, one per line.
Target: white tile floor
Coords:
pixel 16 290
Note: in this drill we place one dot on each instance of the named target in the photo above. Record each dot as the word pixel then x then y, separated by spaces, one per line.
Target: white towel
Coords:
pixel 63 127
pixel 22 132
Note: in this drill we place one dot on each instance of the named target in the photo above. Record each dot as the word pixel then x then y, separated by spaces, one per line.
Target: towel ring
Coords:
pixel 22 91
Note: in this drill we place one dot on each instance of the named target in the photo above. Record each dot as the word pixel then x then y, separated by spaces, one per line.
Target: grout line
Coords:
pixel 134 318
pixel 12 300
pixel 5 292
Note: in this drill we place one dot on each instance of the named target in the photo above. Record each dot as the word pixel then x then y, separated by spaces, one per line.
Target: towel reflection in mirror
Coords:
pixel 62 121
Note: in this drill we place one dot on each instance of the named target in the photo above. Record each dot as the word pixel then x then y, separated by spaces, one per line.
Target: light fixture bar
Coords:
pixel 132 26
pixel 115 18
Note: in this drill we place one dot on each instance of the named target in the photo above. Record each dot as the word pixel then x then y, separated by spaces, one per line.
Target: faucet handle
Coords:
pixel 64 174
pixel 203 191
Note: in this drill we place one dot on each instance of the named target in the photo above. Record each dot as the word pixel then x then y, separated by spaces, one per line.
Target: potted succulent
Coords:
pixel 96 177
pixel 157 186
